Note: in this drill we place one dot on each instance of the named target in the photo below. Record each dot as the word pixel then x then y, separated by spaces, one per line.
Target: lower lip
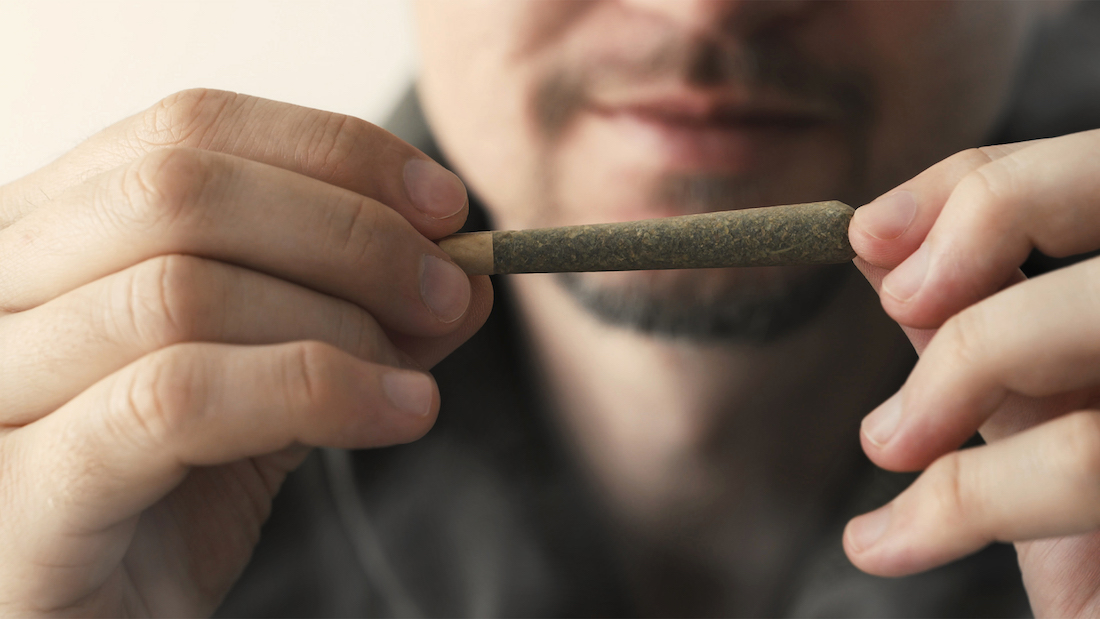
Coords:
pixel 726 147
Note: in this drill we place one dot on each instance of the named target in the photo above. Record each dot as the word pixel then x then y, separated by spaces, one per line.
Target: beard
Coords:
pixel 750 305
pixel 760 308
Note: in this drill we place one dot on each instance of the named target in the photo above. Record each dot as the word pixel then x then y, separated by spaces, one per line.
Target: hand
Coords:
pixel 189 300
pixel 1017 359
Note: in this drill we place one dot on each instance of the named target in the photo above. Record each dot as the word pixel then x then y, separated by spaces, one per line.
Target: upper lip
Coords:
pixel 680 105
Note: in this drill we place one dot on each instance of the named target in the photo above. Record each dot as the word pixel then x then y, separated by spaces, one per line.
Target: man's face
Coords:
pixel 572 112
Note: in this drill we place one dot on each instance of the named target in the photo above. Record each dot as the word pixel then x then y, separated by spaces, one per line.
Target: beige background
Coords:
pixel 71 67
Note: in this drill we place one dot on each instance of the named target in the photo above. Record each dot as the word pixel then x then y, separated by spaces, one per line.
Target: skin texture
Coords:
pixel 148 415
pixel 195 296
pixel 1010 358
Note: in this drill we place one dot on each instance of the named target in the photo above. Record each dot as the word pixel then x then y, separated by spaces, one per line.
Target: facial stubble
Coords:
pixel 751 306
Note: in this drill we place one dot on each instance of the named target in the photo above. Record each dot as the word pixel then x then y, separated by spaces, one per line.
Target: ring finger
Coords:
pixel 91 332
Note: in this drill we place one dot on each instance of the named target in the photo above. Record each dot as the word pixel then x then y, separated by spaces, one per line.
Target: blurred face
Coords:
pixel 571 112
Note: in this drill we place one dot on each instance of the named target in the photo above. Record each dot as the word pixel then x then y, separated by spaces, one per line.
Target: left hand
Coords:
pixel 1016 359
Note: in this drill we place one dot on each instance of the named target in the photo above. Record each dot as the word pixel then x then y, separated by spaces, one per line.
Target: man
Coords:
pixel 200 293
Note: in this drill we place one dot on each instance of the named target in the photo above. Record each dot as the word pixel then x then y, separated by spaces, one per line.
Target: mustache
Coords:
pixel 706 193
pixel 757 64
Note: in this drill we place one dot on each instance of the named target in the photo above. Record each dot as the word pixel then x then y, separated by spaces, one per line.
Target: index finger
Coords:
pixel 889 229
pixel 337 149
pixel 1038 195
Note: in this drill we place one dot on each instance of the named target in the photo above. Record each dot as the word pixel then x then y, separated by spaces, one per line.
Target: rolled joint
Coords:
pixel 788 235
pixel 471 251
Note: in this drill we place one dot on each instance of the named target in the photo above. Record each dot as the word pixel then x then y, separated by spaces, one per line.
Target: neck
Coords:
pixel 718 460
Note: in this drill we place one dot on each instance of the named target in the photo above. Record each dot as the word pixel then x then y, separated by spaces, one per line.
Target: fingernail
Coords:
pixel 444 288
pixel 433 189
pixel 865 530
pixel 889 216
pixel 408 391
pixel 904 282
pixel 883 422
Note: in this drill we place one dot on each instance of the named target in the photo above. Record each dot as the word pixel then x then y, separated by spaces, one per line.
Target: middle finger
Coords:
pixel 1037 339
pixel 187 201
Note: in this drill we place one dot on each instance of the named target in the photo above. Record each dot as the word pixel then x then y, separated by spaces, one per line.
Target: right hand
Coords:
pixel 188 301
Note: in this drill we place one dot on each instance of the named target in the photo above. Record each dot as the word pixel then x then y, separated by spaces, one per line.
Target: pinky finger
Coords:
pixel 126 442
pixel 1043 482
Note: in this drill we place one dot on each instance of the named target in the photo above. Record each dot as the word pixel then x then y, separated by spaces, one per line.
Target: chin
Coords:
pixel 746 305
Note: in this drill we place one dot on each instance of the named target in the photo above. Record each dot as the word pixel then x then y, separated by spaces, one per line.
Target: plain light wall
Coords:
pixel 69 68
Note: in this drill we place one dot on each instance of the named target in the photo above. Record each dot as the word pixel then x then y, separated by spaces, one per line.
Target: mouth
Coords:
pixel 697 131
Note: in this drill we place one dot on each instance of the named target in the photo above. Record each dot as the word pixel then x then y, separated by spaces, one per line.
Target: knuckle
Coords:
pixel 946 498
pixel 352 228
pixel 357 331
pixel 970 158
pixel 164 394
pixel 978 191
pixel 167 185
pixel 308 376
pixel 987 192
pixel 164 298
pixel 184 117
pixel 966 335
pixel 1077 454
pixel 333 143
pixel 999 177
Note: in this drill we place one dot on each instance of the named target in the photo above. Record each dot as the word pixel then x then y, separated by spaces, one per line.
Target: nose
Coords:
pixel 703 15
